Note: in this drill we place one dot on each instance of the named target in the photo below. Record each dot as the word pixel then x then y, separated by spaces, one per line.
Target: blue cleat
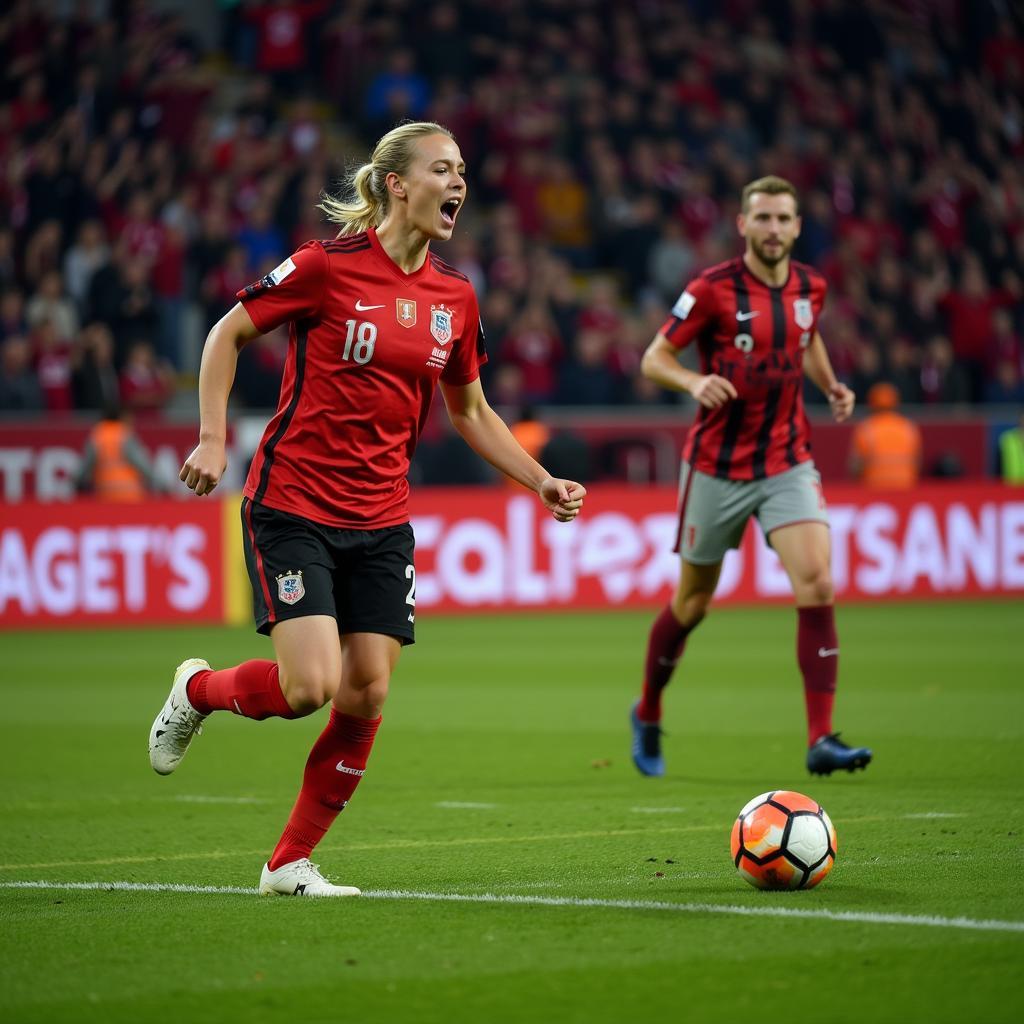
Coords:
pixel 830 754
pixel 647 745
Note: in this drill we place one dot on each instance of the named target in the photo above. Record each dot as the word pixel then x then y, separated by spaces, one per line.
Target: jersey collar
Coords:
pixel 395 269
pixel 764 284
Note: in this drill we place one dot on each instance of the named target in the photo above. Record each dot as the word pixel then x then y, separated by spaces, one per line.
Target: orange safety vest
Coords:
pixel 889 448
pixel 114 477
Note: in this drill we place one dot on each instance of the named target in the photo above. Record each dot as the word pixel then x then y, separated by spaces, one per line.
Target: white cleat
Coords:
pixel 177 722
pixel 300 878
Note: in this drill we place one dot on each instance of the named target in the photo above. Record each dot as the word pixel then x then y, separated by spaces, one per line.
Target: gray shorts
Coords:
pixel 713 512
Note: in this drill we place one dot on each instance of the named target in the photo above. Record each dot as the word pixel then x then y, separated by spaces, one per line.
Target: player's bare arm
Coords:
pixel 486 433
pixel 818 368
pixel 204 468
pixel 661 365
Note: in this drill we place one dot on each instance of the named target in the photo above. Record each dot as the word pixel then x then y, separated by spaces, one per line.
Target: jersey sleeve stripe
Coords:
pixel 443 268
pixel 301 337
pixel 335 250
pixel 348 240
pixel 673 328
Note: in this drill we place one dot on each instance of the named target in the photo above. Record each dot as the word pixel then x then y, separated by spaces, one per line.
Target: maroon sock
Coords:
pixel 252 690
pixel 664 648
pixel 333 770
pixel 817 653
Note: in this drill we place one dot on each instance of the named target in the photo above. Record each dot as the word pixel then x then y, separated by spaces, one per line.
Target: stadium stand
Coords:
pixel 151 169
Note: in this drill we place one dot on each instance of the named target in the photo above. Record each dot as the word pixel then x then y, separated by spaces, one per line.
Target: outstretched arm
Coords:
pixel 818 368
pixel 205 466
pixel 486 433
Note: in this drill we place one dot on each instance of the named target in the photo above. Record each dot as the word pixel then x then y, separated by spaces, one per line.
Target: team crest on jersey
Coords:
pixel 405 310
pixel 802 313
pixel 290 588
pixel 441 324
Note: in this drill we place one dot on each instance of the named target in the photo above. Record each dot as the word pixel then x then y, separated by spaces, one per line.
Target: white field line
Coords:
pixel 459 805
pixel 657 810
pixel 185 798
pixel 933 814
pixel 839 916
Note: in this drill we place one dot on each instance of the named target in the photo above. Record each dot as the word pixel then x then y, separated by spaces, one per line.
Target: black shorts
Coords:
pixel 363 578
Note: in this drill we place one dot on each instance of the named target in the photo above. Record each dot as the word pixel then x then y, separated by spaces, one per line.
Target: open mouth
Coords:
pixel 450 210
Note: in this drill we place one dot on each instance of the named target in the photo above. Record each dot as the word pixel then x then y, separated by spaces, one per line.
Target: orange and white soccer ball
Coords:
pixel 783 840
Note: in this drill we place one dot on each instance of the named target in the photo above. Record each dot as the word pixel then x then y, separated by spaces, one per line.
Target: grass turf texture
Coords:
pixel 528 717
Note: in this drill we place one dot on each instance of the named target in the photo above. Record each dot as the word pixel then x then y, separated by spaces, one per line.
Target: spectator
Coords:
pixel 586 379
pixel 12 313
pixel 19 383
pixel 969 309
pixel 1004 386
pixel 397 91
pixel 50 304
pixel 281 38
pixel 942 379
pixel 671 261
pixel 886 447
pixel 94 383
pixel 146 383
pixel 533 345
pixel 89 253
pixel 53 357
pixel 260 238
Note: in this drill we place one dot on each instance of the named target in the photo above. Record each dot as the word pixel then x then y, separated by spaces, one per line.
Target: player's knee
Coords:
pixel 365 696
pixel 691 608
pixel 817 589
pixel 308 690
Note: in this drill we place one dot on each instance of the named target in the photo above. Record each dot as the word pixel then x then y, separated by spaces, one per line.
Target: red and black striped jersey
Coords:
pixel 368 344
pixel 755 336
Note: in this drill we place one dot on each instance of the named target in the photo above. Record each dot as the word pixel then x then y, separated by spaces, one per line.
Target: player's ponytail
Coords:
pixel 367 199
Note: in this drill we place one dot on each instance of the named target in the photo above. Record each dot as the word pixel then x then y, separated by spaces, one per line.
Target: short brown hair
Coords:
pixel 772 185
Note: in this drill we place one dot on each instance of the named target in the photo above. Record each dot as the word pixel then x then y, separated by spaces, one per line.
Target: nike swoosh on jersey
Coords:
pixel 360 308
pixel 739 316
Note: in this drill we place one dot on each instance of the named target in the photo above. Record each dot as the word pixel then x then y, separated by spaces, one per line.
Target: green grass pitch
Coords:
pixel 502 773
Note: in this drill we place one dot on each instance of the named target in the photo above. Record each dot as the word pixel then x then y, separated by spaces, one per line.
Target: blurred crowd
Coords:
pixel 150 172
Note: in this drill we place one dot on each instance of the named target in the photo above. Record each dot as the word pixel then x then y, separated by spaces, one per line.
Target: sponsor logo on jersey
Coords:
pixel 290 588
pixel 441 324
pixel 405 311
pixel 803 314
pixel 438 357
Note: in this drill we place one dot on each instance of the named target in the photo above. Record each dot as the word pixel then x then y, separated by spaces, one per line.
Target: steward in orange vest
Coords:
pixel 114 464
pixel 886 450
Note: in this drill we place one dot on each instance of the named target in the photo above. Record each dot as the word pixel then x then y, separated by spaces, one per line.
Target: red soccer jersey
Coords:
pixel 368 344
pixel 754 336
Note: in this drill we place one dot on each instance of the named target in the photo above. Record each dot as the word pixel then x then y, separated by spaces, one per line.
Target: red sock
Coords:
pixel 664 648
pixel 333 770
pixel 252 690
pixel 817 653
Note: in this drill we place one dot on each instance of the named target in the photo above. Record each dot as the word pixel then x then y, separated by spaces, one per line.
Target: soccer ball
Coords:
pixel 783 840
